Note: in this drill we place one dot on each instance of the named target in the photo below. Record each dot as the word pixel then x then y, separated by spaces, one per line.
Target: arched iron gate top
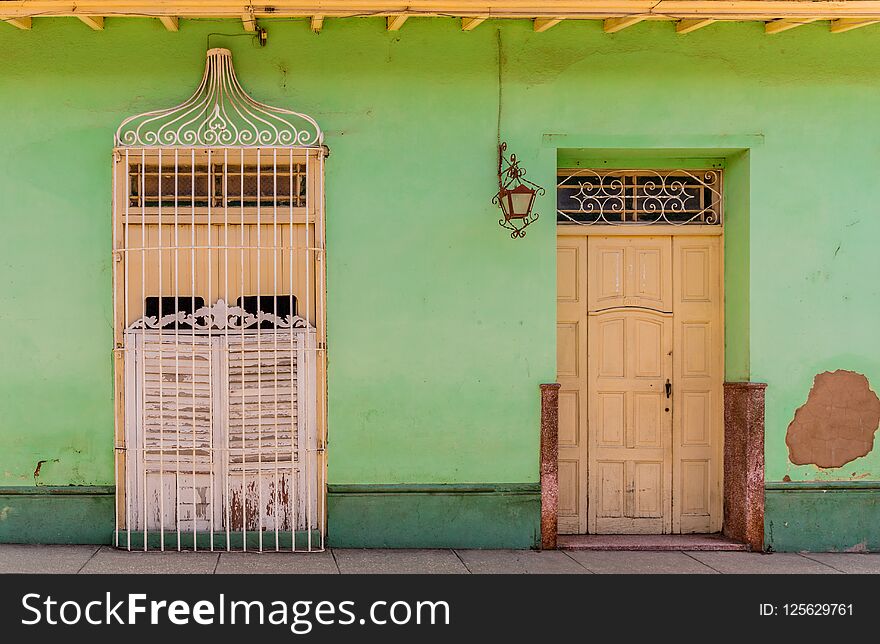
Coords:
pixel 220 114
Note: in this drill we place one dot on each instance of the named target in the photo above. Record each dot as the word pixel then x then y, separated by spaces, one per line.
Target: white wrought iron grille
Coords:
pixel 626 197
pixel 220 339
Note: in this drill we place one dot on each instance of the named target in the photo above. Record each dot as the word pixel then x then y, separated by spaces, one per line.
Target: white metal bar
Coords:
pixel 177 347
pixel 160 362
pixel 193 296
pixel 226 396
pixel 127 356
pixel 275 332
pixel 307 371
pixel 242 345
pixel 116 354
pixel 259 360
pixel 142 461
pixel 296 439
pixel 321 333
pixel 211 463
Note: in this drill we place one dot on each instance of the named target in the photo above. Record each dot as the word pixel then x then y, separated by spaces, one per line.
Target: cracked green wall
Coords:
pixel 441 328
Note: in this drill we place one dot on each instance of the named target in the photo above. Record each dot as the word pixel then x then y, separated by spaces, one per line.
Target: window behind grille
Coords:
pixel 620 197
pixel 216 185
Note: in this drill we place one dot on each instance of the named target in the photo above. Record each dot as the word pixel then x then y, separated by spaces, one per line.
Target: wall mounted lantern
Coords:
pixel 516 194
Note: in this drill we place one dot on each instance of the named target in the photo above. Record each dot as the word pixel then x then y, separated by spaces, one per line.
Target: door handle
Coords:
pixel 668 388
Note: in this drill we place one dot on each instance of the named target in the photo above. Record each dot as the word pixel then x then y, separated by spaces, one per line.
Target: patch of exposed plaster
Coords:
pixel 837 423
pixel 40 467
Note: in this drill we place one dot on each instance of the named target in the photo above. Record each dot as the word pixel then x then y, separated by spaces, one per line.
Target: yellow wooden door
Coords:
pixel 639 342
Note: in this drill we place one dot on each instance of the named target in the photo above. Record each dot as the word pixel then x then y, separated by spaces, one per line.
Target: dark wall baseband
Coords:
pixel 549 465
pixel 57 514
pixel 823 516
pixel 744 462
pixel 72 490
pixel 492 515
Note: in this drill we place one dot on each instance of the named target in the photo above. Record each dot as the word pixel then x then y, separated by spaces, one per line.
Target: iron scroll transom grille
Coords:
pixel 634 197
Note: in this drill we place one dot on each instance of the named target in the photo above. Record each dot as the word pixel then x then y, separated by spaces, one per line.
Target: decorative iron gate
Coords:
pixel 219 329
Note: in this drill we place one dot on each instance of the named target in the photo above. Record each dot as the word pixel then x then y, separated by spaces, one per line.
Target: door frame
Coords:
pixel 662 230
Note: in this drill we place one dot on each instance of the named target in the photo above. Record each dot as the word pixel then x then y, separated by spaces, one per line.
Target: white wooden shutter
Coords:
pixel 171 431
pixel 221 429
pixel 271 422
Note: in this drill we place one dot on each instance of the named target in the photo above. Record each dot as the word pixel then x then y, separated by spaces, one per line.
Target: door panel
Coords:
pixel 630 358
pixel 630 271
pixel 571 365
pixel 698 372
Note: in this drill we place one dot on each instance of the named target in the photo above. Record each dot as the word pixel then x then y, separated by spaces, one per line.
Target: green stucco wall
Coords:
pixel 440 326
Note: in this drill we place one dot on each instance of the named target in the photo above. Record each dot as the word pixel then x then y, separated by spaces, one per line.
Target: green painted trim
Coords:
pixel 673 144
pixel 204 540
pixel 821 486
pixel 40 490
pixel 436 488
pixel 68 515
pixel 500 515
pixel 822 516
pixel 646 160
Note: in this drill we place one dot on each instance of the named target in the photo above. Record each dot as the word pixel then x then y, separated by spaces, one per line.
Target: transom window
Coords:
pixel 200 185
pixel 626 197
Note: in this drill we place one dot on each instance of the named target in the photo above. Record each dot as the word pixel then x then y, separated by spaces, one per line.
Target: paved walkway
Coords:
pixel 103 559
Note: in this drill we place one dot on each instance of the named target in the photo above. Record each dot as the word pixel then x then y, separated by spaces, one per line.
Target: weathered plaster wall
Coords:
pixel 441 328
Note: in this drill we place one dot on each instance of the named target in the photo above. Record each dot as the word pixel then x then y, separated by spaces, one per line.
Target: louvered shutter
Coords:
pixel 221 429
pixel 271 424
pixel 172 431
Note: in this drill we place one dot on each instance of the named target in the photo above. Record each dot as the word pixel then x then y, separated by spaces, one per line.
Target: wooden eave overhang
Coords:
pixel 689 15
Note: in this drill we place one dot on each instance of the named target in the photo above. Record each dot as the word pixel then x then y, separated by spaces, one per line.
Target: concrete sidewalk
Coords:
pixel 103 559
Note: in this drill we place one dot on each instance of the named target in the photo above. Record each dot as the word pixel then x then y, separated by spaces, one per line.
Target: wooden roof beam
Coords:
pixel 316 24
pixel 93 22
pixel 469 24
pixel 842 25
pixel 543 24
pixel 687 26
pixel 394 23
pixel 762 10
pixel 613 25
pixel 171 23
pixel 778 26
pixel 19 23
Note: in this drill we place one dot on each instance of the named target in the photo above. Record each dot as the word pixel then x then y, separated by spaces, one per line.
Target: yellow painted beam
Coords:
pixel 687 26
pixel 763 10
pixel 543 24
pixel 613 25
pixel 394 23
pixel 93 22
pixel 778 26
pixel 317 23
pixel 171 23
pixel 20 23
pixel 469 24
pixel 249 22
pixel 840 26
